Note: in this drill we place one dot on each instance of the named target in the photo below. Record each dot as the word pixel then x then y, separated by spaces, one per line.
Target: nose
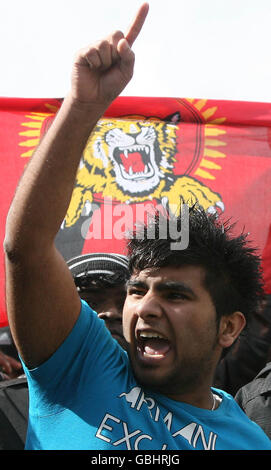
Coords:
pixel 149 307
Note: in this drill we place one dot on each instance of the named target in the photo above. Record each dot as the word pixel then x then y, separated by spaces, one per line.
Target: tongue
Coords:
pixel 156 347
pixel 134 160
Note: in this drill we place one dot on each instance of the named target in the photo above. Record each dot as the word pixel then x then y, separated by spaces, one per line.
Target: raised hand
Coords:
pixel 102 70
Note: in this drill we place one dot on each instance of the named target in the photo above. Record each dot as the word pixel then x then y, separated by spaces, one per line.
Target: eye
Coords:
pixel 177 296
pixel 135 291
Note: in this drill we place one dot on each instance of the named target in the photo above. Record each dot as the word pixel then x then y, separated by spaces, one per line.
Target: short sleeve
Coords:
pixel 82 355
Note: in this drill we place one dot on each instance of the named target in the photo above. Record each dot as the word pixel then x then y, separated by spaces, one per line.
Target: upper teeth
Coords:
pixel 134 148
pixel 146 334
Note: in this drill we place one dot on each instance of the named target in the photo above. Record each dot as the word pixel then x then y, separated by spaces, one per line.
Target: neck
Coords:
pixel 200 400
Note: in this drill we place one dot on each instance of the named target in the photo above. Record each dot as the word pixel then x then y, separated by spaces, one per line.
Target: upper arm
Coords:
pixel 42 304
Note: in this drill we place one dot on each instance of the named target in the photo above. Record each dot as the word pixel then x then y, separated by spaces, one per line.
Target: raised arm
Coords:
pixel 42 302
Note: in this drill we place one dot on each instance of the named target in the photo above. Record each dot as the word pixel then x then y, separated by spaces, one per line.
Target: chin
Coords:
pixel 151 377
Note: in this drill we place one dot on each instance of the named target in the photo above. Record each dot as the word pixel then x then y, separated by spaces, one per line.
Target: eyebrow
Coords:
pixel 135 283
pixel 163 286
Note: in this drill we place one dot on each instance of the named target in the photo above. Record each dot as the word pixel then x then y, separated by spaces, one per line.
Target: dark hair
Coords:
pixel 232 266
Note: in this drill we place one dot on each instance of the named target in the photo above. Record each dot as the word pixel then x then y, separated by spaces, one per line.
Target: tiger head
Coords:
pixel 134 153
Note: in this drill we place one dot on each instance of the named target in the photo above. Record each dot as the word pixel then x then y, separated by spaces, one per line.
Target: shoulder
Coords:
pixel 255 399
pixel 253 429
pixel 260 386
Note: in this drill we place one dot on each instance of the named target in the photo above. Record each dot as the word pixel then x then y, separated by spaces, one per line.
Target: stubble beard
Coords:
pixel 183 378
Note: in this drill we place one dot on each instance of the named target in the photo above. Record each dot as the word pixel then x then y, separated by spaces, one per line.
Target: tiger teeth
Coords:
pixel 135 148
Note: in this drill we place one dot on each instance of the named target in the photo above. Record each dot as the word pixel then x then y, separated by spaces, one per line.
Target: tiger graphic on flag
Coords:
pixel 131 160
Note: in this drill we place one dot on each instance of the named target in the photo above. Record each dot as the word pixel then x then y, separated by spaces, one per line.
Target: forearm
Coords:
pixel 43 194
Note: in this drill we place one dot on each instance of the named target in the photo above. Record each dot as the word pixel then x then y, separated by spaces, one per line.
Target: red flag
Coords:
pixel 145 152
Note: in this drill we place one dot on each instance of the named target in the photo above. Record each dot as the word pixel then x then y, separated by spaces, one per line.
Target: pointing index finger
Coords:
pixel 137 24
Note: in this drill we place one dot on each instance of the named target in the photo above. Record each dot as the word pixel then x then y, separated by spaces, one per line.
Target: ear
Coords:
pixel 230 328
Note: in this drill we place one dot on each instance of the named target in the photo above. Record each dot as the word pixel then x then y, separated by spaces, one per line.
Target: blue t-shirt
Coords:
pixel 85 397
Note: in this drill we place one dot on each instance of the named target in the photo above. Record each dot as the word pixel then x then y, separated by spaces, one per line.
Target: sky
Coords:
pixel 212 49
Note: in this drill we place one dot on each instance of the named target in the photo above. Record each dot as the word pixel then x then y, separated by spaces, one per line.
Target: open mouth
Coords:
pixel 152 346
pixel 134 162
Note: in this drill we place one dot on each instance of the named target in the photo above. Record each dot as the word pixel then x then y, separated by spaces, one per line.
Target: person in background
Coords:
pixel 251 351
pixel 255 397
pixel 101 279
